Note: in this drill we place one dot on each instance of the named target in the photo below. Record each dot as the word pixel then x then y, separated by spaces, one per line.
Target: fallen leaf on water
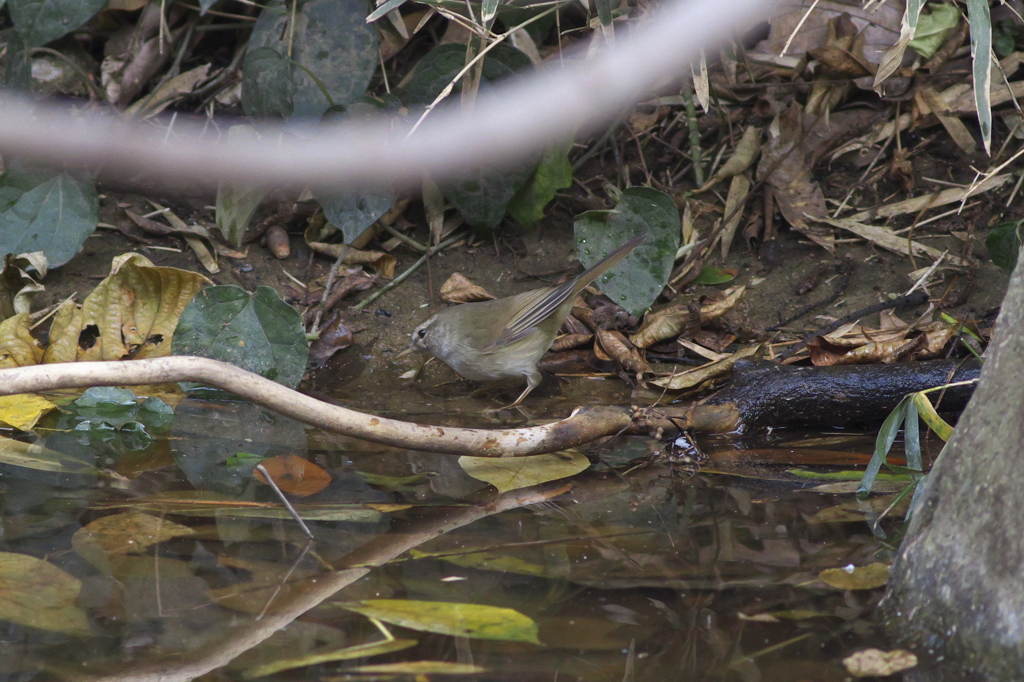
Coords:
pixel 294 475
pixel 477 621
pixel 418 668
pixel 511 473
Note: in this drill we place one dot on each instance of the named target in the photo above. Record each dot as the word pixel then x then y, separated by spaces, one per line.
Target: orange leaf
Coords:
pixel 294 475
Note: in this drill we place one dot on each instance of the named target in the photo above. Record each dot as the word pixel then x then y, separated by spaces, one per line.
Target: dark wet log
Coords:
pixel 956 591
pixel 766 394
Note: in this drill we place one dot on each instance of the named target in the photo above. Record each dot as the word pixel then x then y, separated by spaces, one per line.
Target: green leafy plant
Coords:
pixel 913 407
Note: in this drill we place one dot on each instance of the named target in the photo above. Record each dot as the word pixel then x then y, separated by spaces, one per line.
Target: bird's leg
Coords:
pixel 532 381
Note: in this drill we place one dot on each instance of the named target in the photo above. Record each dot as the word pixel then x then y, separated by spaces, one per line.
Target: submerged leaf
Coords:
pixel 347 654
pixel 856 578
pixel 476 621
pixel 294 475
pixel 36 593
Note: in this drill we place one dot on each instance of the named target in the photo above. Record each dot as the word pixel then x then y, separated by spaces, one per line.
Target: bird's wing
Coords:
pixel 533 308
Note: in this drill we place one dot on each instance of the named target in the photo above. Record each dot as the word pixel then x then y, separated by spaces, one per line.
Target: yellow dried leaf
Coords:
pixel 134 311
pixel 17 347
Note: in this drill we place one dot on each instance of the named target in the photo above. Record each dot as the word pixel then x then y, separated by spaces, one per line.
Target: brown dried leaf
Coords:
pixel 619 349
pixel 743 157
pixel 383 263
pixel 786 157
pixel 725 302
pixel 458 289
pixel 698 375
pixel 665 324
pixel 890 351
pixel 570 341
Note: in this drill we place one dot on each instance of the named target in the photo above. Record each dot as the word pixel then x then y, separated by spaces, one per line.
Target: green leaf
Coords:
pixel 883 443
pixel 450 618
pixel 1003 244
pixel 328 38
pixel 260 333
pixel 383 9
pixel 439 67
pixel 43 21
pixel 55 217
pixel 553 173
pixel 483 196
pixel 933 27
pixel 980 20
pixel 18 73
pixel 636 282
pixel 267 86
pixel 710 275
pixel 512 473
pixel 354 211
pixel 236 205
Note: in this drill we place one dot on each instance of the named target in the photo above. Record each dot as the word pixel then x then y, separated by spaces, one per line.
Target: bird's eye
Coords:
pixel 421 333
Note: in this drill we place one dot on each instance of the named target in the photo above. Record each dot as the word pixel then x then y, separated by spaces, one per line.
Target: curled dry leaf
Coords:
pixel 383 263
pixel 665 324
pixel 569 341
pixel 743 157
pixel 458 289
pixel 17 346
pixel 334 336
pixel 785 166
pixel 676 320
pixel 621 350
pixel 698 375
pixel 893 350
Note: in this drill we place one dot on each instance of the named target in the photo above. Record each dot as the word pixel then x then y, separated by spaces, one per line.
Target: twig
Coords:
pixel 284 500
pixel 405 275
pixel 583 426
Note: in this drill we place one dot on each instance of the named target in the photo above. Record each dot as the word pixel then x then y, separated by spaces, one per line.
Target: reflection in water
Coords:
pixel 696 574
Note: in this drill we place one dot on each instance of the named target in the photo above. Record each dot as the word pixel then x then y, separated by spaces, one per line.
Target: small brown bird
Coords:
pixel 507 337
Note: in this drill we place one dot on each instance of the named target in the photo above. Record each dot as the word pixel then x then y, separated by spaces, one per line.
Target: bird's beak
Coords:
pixel 405 352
